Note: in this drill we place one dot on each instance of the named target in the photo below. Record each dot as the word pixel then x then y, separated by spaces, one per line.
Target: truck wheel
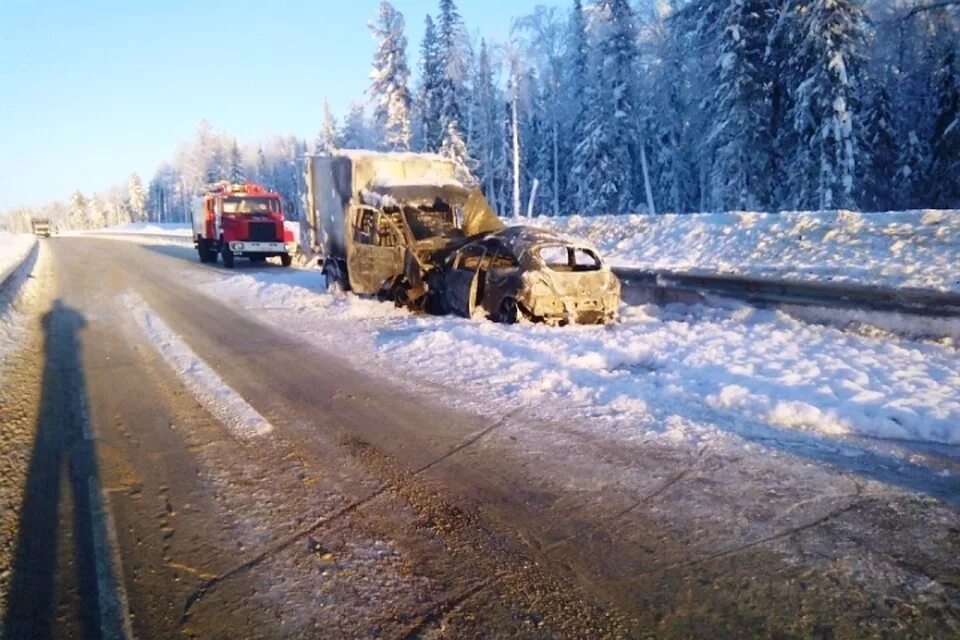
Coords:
pixel 286 259
pixel 227 256
pixel 203 250
pixel 334 276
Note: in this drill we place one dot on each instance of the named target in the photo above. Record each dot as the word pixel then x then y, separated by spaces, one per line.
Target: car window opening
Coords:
pixel 569 259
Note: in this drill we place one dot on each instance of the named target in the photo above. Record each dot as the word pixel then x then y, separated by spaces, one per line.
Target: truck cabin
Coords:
pixel 416 213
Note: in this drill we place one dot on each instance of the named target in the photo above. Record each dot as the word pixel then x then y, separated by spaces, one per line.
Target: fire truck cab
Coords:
pixel 240 220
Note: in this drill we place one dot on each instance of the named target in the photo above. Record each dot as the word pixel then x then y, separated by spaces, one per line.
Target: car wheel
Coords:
pixel 508 312
pixel 286 259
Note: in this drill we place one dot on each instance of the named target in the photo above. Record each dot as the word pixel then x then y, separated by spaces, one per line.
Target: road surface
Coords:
pixel 373 511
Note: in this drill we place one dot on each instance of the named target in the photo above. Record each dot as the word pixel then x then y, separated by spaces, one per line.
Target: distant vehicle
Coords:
pixel 525 273
pixel 41 227
pixel 375 216
pixel 240 221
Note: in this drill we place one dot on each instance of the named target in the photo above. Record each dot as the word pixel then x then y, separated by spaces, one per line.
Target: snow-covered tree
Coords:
pixel 944 173
pixel 356 133
pixel 78 211
pixel 738 140
pixel 881 149
pixel 486 131
pixel 236 172
pixel 326 140
pixel 454 63
pixel 391 76
pixel 136 198
pixel 827 45
pixel 429 96
pixel 605 167
pixel 455 149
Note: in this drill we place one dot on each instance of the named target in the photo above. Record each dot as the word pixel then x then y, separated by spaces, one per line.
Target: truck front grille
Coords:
pixel 263 232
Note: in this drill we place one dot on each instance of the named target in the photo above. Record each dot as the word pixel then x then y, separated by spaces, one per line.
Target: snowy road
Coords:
pixel 691 472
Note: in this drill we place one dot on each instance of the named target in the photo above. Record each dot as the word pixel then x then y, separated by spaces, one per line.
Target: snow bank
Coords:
pixel 14 249
pixel 683 371
pixel 902 249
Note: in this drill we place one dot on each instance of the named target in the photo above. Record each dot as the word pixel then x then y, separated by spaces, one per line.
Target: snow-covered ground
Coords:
pixel 902 249
pixel 689 373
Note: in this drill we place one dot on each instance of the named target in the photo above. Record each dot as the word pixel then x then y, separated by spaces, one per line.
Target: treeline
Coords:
pixel 657 105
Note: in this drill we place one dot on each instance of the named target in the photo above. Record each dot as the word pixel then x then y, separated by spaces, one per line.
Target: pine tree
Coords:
pixel 264 174
pixel 451 37
pixel 356 132
pixel 944 173
pixel 391 77
pixel 880 148
pixel 326 140
pixel 740 110
pixel 828 40
pixel 136 198
pixel 607 154
pixel 576 85
pixel 455 149
pixel 237 173
pixel 429 98
pixel 78 211
pixel 486 130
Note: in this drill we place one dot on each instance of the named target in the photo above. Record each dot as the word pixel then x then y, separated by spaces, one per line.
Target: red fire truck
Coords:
pixel 240 220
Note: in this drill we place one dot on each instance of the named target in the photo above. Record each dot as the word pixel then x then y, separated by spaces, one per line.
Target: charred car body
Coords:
pixel 525 272
pixel 403 226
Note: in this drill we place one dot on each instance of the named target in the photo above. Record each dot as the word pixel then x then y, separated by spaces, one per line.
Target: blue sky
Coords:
pixel 92 90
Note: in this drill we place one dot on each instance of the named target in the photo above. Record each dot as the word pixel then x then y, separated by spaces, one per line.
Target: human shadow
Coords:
pixel 55 561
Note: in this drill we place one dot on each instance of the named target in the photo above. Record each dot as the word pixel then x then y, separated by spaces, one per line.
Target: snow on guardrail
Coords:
pixel 918 249
pixel 14 249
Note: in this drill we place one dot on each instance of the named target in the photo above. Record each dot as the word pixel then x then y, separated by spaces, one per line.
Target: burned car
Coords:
pixel 525 273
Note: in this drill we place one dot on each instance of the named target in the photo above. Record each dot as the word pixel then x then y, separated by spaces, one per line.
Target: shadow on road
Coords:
pixel 54 586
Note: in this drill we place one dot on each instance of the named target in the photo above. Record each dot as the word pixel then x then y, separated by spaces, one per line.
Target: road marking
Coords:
pixel 216 396
pixel 111 594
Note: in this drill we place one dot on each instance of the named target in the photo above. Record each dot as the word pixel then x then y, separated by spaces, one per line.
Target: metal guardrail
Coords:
pixel 7 274
pixel 666 286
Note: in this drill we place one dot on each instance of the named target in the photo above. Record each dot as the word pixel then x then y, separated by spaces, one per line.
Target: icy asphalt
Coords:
pixel 690 473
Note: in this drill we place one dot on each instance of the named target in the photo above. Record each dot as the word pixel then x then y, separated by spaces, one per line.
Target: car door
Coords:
pixel 374 253
pixel 462 280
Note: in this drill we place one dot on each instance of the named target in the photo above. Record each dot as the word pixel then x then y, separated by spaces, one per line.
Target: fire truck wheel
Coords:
pixel 203 249
pixel 227 256
pixel 286 260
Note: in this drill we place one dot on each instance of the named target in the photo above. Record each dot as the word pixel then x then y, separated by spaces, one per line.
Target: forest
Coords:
pixel 615 106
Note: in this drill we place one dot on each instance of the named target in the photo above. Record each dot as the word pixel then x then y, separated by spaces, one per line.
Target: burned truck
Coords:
pixel 404 227
pixel 378 218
